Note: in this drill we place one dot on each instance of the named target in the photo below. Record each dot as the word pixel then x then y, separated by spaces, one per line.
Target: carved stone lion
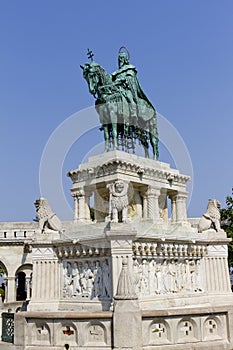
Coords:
pixel 211 217
pixel 45 216
pixel 118 200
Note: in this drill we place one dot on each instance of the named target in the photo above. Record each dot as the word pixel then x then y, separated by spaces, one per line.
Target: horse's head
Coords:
pixel 91 74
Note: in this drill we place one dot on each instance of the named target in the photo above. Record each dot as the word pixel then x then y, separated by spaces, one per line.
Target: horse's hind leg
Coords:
pixel 106 137
pixel 113 118
pixel 114 135
pixel 154 144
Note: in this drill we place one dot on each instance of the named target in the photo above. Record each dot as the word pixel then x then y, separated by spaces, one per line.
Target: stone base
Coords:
pixel 127 326
pixel 203 327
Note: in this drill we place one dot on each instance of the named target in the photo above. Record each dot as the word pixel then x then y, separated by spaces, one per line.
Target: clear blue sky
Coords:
pixel 183 50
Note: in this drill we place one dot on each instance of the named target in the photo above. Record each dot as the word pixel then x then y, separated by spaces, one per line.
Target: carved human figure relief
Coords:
pixel 159 278
pixel 106 287
pixel 198 287
pixel 67 276
pixel 151 277
pixel 136 276
pixel 89 279
pixel 76 280
pixel 98 283
pixel 172 275
pixel 86 278
pixel 118 201
pixel 156 276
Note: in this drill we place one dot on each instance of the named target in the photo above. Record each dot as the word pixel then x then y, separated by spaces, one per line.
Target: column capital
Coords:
pixel 153 191
pixel 9 278
pixel 80 192
pixel 181 195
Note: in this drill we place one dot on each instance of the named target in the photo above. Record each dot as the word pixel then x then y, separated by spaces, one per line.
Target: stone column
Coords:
pixel 97 205
pixel 181 211
pixel 173 208
pixel 81 204
pixel 10 289
pixel 75 207
pixel 163 205
pixel 28 287
pixel 144 204
pixel 153 204
pixel 88 194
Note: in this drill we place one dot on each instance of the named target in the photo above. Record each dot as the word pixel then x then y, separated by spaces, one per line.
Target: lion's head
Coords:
pixel 43 209
pixel 213 209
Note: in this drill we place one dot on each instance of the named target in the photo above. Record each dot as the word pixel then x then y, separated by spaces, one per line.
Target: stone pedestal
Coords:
pixel 149 182
pixel 120 237
pixel 137 277
pixel 46 278
pixel 127 325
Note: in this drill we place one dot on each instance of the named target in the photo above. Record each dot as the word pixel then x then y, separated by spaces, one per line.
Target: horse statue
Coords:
pixel 125 113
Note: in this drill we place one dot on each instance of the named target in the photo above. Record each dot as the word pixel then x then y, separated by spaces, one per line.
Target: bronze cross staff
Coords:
pixel 90 55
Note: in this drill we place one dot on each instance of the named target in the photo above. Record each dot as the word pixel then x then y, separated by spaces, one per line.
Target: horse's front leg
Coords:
pixel 154 141
pixel 154 144
pixel 106 137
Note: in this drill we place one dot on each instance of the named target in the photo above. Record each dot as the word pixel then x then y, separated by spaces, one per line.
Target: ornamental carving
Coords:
pixel 87 279
pixel 118 201
pixel 167 276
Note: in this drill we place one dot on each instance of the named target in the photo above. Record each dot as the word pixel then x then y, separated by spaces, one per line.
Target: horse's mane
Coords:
pixel 106 78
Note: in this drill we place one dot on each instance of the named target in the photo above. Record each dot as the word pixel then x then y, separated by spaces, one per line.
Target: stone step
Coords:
pixel 7 346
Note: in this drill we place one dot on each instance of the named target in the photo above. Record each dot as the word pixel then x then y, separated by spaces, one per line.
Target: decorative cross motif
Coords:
pixel 211 327
pixel 68 331
pixel 42 330
pixel 96 333
pixel 159 329
pixel 187 329
pixel 90 55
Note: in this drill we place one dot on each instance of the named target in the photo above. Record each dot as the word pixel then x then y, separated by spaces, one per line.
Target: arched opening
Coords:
pixel 3 277
pixel 23 282
pixel 21 288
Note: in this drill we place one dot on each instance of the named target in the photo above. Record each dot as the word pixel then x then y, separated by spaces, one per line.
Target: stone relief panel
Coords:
pixel 166 276
pixel 184 330
pixel 212 328
pixel 96 333
pixel 87 279
pixel 159 332
pixel 66 332
pixel 39 333
pixel 187 331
